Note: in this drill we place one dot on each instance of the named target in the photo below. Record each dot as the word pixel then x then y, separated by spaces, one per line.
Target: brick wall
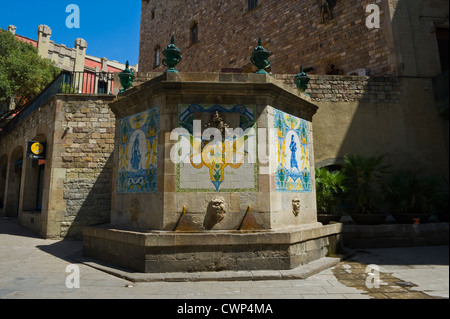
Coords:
pixel 292 30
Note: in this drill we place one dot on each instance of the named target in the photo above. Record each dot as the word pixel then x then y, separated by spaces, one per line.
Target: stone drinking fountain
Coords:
pixel 212 172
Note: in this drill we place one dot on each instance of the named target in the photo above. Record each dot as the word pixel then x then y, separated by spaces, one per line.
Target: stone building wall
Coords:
pixel 13 194
pixel 395 116
pixel 85 155
pixel 292 30
pixel 79 132
pixel 391 115
pixel 415 24
pixel 407 128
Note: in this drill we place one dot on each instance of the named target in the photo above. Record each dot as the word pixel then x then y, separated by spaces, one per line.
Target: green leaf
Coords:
pixel 23 73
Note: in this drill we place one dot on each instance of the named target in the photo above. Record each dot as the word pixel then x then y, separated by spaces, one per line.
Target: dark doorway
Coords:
pixel 442 38
pixel 14 183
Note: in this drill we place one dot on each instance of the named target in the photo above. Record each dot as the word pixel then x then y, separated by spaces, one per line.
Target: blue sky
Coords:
pixel 111 28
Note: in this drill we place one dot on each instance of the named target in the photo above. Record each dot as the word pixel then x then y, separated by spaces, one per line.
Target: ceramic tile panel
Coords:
pixel 292 147
pixel 224 164
pixel 138 153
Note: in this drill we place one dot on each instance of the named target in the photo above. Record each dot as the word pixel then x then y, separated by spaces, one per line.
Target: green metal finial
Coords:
pixel 259 58
pixel 172 56
pixel 126 78
pixel 302 80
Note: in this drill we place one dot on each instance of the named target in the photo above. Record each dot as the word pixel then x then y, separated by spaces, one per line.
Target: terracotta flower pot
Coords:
pixel 411 218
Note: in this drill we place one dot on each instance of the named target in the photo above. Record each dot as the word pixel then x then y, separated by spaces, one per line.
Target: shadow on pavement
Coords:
pixel 10 226
pixel 68 250
pixel 425 255
pixel 63 249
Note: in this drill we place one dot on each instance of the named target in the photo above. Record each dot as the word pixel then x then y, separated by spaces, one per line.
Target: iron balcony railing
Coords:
pixel 86 82
pixel 64 83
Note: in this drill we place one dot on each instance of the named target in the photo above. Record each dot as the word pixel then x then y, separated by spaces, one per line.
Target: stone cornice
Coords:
pixel 217 88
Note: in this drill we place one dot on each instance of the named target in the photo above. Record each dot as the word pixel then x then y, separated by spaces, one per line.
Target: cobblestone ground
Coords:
pixel 34 268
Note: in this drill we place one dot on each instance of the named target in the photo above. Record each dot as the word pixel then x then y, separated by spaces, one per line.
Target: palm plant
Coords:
pixel 329 187
pixel 365 177
pixel 407 192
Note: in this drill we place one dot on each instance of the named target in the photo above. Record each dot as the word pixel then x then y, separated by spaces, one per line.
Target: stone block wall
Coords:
pixel 84 154
pixel 332 88
pixel 149 252
pixel 395 235
pixel 337 88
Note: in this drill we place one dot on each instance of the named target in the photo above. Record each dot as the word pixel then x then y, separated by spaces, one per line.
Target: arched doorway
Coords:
pixel 3 171
pixel 33 187
pixel 14 183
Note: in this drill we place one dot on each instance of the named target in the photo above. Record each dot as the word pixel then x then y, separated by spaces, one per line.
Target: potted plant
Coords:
pixel 329 188
pixel 365 177
pixel 412 198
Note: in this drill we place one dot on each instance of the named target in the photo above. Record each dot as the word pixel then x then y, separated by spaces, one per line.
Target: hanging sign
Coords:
pixel 36 150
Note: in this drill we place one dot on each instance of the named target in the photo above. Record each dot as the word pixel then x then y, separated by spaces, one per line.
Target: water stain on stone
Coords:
pixel 390 287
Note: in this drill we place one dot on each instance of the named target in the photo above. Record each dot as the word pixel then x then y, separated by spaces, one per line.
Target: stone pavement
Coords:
pixel 34 268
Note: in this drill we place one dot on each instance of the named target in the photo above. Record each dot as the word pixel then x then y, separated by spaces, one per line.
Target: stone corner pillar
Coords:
pixel 44 33
pixel 80 56
pixel 12 29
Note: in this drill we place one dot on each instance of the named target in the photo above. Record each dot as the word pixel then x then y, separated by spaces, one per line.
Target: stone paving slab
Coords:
pixel 34 268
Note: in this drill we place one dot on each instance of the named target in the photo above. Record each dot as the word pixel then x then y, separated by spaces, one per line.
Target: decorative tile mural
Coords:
pixel 224 164
pixel 138 153
pixel 293 165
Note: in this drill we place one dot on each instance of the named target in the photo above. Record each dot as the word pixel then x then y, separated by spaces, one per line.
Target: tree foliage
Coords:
pixel 23 73
pixel 329 189
pixel 365 177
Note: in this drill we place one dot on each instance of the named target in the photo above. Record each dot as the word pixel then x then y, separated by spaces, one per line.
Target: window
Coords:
pixel 252 4
pixel 442 38
pixel 3 169
pixel 194 33
pixel 157 57
pixel 34 185
pixel 102 87
pixel 33 189
pixel 153 14
pixel 14 183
